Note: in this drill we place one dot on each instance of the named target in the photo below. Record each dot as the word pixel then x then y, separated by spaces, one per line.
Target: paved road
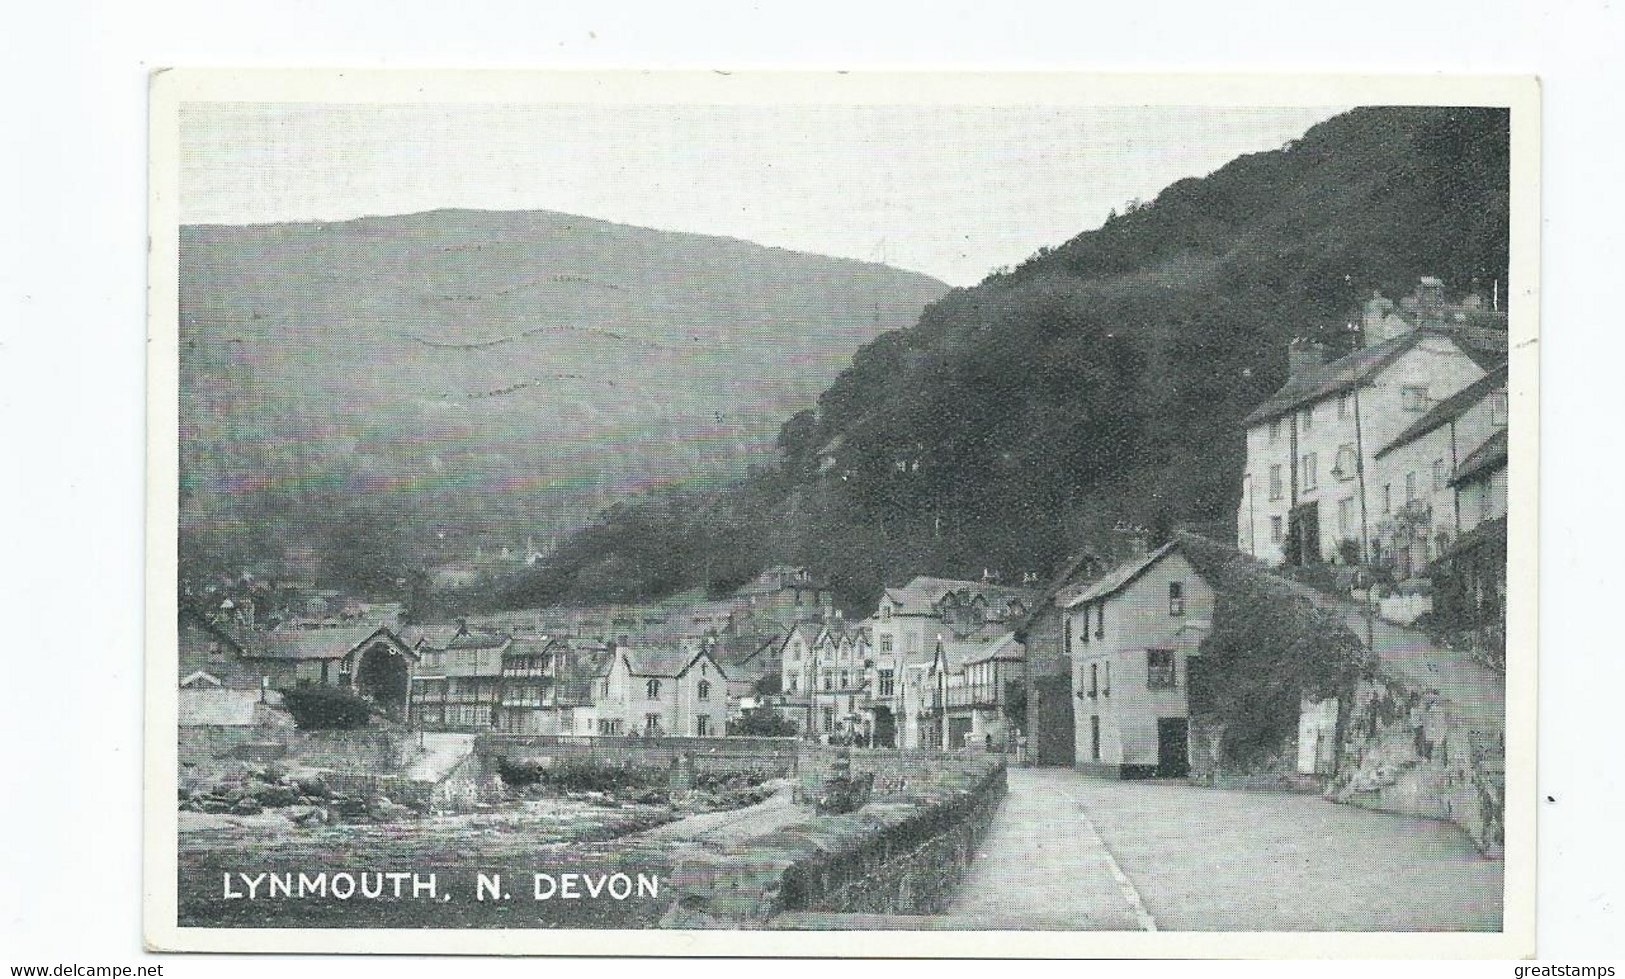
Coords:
pixel 1069 851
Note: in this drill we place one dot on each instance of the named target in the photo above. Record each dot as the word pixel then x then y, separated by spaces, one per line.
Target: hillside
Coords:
pixel 457 377
pixel 1103 380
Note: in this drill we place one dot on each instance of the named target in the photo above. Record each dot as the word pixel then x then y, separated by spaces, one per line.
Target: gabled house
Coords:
pixel 1314 487
pixel 1431 452
pixel 962 693
pixel 1131 635
pixel 1047 666
pixel 674 689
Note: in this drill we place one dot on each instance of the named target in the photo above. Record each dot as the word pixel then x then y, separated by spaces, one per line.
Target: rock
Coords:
pixel 275 796
pixel 312 785
pixel 213 805
pixel 246 806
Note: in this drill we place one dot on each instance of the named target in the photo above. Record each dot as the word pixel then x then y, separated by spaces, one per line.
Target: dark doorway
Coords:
pixel 1052 739
pixel 885 728
pixel 1173 747
pixel 1094 738
pixel 958 731
pixel 1303 534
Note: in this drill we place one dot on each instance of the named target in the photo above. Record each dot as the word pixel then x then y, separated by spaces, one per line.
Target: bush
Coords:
pixel 326 708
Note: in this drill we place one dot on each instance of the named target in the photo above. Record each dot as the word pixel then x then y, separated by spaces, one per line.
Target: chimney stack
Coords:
pixel 1303 356
pixel 1430 301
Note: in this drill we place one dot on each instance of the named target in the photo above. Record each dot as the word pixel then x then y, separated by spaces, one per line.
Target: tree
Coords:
pixel 761 722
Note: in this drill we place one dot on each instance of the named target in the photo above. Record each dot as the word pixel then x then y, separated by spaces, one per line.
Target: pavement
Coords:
pixel 1069 851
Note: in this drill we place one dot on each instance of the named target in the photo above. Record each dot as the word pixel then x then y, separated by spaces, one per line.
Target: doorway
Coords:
pixel 1173 747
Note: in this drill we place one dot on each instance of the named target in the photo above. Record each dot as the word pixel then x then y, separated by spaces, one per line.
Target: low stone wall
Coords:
pixel 896 771
pixel 775 756
pixel 365 750
pixel 1406 751
pixel 902 854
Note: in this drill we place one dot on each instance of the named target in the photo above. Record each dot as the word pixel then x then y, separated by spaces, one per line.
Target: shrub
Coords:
pixel 326 708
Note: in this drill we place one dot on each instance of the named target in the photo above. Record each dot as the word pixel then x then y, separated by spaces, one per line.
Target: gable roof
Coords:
pixel 1354 369
pixel 1448 410
pixel 1121 576
pixel 1049 597
pixel 1487 457
pixel 665 661
pixel 924 592
pixel 318 644
pixel 478 640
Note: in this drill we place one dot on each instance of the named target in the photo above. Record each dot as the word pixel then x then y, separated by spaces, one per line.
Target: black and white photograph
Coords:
pixel 809 511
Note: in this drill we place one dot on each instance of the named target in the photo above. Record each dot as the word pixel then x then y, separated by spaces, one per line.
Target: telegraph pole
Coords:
pixel 942 691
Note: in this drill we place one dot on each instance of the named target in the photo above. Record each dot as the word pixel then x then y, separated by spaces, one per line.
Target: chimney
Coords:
pixel 1430 301
pixel 1303 356
pixel 1377 322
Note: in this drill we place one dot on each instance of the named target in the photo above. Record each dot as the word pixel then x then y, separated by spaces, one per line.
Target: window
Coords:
pixel 1410 487
pixel 1085 636
pixel 885 645
pixel 1345 517
pixel 1311 467
pixel 888 683
pixel 1439 475
pixel 651 723
pixel 702 725
pixel 1308 418
pixel 1100 621
pixel 1094 737
pixel 795 682
pixel 1387 497
pixel 1277 484
pixel 1276 534
pixel 1275 430
pixel 652 688
pixel 1414 398
pixel 705 690
pixel 829 720
pixel 1066 627
pixel 1094 680
pixel 829 681
pixel 885 613
pixel 1159 669
pixel 1106 688
pixel 1176 598
pixel 846 680
pixel 1498 408
pixel 1342 406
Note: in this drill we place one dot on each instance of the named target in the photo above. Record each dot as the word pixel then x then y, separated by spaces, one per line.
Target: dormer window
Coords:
pixel 1176 598
pixel 1414 397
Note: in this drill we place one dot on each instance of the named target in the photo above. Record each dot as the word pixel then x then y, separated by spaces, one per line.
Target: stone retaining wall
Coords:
pixel 903 854
pixel 368 749
pixel 776 756
pixel 1406 751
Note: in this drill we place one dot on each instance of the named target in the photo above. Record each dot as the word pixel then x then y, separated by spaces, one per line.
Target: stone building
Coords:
pixel 371 661
pixel 670 689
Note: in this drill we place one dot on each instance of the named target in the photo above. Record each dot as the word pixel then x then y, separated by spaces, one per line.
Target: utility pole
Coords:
pixel 942 691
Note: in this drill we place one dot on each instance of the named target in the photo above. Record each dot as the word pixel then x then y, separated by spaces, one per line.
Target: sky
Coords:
pixel 953 191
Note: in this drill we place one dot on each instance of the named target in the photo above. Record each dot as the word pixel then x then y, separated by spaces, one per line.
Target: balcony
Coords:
pixel 968 696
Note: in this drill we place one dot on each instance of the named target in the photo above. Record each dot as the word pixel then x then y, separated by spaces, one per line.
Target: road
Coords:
pixel 1072 852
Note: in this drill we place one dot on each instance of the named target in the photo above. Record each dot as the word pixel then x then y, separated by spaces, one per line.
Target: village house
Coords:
pixel 1047 666
pixel 1430 452
pixel 906 625
pixel 788 595
pixel 1470 578
pixel 1314 488
pixel 963 693
pixel 665 690
pixel 540 692
pixel 1131 635
pixel 459 683
pixel 217 686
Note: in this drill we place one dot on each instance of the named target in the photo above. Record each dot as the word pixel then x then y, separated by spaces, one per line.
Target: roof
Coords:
pixel 1120 577
pixel 1448 409
pixel 664 660
pixel 316 644
pixel 1482 460
pixel 924 592
pixel 1047 598
pixel 433 636
pixel 1351 371
pixel 478 640
pixel 1003 646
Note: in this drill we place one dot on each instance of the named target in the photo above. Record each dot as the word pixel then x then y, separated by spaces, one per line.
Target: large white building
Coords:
pixel 1335 467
